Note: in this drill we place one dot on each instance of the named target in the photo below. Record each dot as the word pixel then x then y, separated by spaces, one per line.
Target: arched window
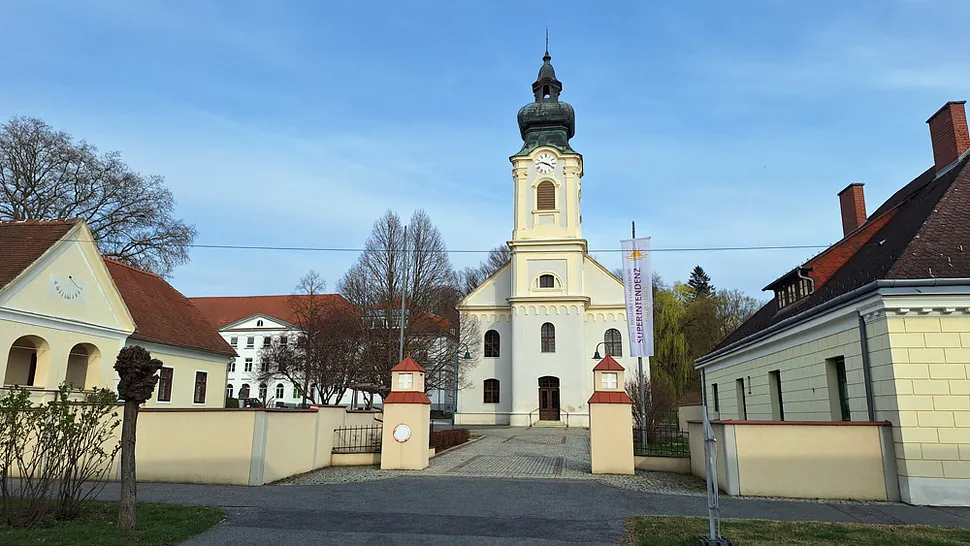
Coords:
pixel 262 391
pixel 259 323
pixel 613 342
pixel 491 391
pixel 547 281
pixel 548 338
pixel 546 196
pixel 244 391
pixel 491 344
pixel 313 393
pixel 229 390
pixel 280 391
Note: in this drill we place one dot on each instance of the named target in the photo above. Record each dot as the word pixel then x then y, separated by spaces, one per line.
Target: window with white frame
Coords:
pixel 405 380
pixel 248 365
pixel 280 391
pixel 231 365
pixel 267 341
pixel 609 380
pixel 234 341
pixel 229 390
pixel 250 342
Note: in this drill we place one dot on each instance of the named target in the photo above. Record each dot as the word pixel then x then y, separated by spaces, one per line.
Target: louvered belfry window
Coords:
pixel 546 196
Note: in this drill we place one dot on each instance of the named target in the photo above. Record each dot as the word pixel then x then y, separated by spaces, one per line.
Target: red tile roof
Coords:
pixel 22 243
pixel 921 232
pixel 162 314
pixel 221 311
pixel 408 365
pixel 600 397
pixel 407 398
pixel 608 364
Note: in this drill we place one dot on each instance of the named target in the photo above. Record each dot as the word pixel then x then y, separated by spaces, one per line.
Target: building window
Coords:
pixel 231 365
pixel 165 384
pixel 547 281
pixel 200 381
pixel 491 344
pixel 234 341
pixel 248 365
pixel 283 341
pixel 777 404
pixel 280 391
pixel 838 388
pixel 313 393
pixel 405 381
pixel 491 391
pixel 267 341
pixel 546 196
pixel 296 391
pixel 262 391
pixel 259 323
pixel 609 380
pixel 244 391
pixel 613 342
pixel 229 390
pixel 742 404
pixel 250 342
pixel 548 339
pixel 717 402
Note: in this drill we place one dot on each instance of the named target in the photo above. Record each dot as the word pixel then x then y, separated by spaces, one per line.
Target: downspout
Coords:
pixel 866 373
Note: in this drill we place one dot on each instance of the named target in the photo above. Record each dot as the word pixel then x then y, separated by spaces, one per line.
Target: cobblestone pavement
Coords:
pixel 505 452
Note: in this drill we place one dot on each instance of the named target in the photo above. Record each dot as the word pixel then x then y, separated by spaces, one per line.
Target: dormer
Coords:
pixel 794 286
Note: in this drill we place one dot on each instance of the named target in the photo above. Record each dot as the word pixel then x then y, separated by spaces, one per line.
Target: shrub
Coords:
pixel 443 439
pixel 232 402
pixel 54 456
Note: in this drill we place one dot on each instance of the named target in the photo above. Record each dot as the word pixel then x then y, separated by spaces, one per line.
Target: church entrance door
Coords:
pixel 548 398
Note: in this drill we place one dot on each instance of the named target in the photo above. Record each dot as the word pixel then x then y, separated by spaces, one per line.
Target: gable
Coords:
pixel 494 292
pixel 70 282
pixel 253 323
pixel 602 287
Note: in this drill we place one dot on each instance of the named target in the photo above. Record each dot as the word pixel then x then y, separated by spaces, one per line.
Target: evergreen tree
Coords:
pixel 700 282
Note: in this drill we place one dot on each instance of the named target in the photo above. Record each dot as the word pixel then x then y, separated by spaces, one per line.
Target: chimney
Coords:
pixel 853 203
pixel 948 131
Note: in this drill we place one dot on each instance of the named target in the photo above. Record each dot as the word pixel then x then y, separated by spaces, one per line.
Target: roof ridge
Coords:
pixel 36 222
pixel 261 296
pixel 129 266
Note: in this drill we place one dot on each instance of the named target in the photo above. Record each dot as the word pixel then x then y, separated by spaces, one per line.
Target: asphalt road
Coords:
pixel 443 510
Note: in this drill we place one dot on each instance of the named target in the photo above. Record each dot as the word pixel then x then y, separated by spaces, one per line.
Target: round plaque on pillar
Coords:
pixel 402 433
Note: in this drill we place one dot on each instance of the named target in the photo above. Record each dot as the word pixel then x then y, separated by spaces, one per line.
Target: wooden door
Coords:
pixel 548 399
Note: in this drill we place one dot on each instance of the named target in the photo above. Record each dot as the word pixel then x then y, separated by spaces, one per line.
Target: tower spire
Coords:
pixel 546 57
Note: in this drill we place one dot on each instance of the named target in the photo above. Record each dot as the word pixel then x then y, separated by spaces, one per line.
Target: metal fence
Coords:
pixel 662 441
pixel 359 439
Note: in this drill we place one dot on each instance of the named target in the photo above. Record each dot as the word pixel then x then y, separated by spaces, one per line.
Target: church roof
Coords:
pixel 547 121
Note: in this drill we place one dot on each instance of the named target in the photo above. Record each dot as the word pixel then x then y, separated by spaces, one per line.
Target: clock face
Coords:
pixel 402 433
pixel 67 287
pixel 545 163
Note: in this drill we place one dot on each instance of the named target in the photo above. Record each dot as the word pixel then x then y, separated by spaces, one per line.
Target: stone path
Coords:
pixel 517 453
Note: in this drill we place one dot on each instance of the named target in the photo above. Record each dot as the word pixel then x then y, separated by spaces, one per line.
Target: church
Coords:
pixel 544 314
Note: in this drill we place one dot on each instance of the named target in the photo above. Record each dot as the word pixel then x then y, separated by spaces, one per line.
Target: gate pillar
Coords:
pixel 406 435
pixel 610 421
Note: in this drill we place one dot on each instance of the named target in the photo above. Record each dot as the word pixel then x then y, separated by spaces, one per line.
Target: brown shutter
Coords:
pixel 546 196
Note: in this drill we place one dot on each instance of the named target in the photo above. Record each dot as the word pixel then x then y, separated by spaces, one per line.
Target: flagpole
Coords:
pixel 643 387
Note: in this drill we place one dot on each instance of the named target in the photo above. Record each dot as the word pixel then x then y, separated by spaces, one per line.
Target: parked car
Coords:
pixel 251 403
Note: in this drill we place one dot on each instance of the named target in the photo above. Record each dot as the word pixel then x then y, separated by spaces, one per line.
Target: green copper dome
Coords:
pixel 547 121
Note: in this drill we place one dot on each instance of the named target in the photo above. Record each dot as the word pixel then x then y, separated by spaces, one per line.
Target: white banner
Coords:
pixel 638 288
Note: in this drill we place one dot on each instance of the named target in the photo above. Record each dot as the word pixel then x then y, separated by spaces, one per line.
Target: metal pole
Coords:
pixel 404 294
pixel 454 381
pixel 643 385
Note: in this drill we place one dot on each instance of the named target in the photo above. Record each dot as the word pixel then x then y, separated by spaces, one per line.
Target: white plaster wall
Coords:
pixel 472 408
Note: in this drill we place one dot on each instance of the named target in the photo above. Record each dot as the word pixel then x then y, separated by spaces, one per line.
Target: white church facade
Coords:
pixel 545 313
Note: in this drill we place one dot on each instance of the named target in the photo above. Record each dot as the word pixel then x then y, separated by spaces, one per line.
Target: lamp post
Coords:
pixel 454 381
pixel 643 400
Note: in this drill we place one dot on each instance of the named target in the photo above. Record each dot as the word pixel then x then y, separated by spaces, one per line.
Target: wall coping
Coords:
pixel 799 423
pixel 211 410
pixel 362 410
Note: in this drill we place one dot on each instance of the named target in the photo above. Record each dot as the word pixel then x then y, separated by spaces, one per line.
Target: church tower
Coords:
pixel 547 238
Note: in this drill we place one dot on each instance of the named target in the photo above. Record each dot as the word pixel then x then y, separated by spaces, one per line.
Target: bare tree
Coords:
pixel 324 357
pixel 421 273
pixel 46 174
pixel 137 370
pixel 471 277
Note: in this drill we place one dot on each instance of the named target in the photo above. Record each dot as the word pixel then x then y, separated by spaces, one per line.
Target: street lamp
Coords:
pixel 596 352
pixel 454 381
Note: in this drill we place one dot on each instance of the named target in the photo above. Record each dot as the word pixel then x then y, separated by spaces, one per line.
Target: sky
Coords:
pixel 298 123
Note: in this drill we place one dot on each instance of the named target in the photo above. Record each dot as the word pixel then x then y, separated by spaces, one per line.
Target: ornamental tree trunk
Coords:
pixel 129 497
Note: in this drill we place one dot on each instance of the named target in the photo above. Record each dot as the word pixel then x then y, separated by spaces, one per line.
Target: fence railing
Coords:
pixel 357 439
pixel 662 441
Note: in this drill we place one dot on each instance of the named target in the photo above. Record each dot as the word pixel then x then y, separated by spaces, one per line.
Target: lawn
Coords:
pixel 677 531
pixel 158 525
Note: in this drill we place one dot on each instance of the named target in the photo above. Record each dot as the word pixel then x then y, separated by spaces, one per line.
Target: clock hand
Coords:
pixel 75 282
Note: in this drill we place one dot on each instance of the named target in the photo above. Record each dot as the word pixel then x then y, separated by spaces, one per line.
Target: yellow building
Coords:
pixel 874 328
pixel 65 312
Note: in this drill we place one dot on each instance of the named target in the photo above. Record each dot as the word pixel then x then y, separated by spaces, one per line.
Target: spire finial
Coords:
pixel 546 57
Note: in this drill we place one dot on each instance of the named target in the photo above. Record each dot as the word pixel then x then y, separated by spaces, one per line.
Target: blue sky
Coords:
pixel 297 123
